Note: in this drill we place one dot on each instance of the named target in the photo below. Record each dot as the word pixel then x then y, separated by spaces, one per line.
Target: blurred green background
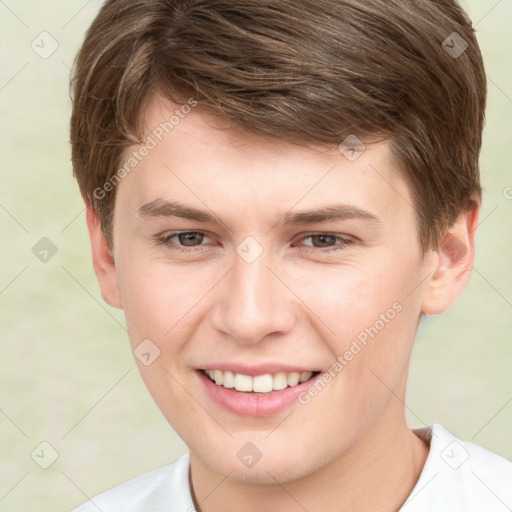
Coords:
pixel 66 370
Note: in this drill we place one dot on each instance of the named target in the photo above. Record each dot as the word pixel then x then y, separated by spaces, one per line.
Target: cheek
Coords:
pixel 367 318
pixel 156 303
pixel 348 300
pixel 155 297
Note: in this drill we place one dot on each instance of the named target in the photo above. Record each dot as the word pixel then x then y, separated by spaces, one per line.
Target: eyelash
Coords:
pixel 165 240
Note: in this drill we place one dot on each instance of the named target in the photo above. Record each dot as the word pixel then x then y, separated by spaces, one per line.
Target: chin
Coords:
pixel 280 468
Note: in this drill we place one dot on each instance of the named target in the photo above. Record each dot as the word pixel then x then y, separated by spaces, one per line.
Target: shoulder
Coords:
pixel 163 489
pixel 489 477
pixel 460 476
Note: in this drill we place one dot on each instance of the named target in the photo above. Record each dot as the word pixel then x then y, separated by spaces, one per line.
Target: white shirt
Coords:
pixel 458 476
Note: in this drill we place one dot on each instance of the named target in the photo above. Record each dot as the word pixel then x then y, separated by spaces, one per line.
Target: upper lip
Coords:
pixel 260 369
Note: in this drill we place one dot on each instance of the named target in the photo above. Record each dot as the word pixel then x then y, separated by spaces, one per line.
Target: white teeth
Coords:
pixel 229 380
pixel 279 381
pixel 243 382
pixel 293 378
pixel 261 383
pixel 304 376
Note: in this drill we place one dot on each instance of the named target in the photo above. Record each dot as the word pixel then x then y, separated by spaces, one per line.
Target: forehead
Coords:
pixel 203 160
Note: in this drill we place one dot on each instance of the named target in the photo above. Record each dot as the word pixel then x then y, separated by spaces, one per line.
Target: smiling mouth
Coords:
pixel 259 384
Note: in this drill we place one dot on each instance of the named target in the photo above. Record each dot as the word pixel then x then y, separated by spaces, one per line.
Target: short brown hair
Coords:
pixel 310 71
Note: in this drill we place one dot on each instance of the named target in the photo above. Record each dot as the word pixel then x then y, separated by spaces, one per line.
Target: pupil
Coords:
pixel 185 238
pixel 323 238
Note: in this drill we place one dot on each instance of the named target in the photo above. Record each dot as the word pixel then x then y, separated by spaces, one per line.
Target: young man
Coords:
pixel 277 192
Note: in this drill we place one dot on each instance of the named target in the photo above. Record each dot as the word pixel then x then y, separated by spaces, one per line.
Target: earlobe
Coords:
pixel 103 261
pixel 454 264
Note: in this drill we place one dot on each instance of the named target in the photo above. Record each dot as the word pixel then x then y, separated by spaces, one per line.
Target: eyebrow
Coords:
pixel 163 208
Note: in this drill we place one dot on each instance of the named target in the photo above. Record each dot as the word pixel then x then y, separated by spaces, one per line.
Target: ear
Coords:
pixel 102 260
pixel 454 263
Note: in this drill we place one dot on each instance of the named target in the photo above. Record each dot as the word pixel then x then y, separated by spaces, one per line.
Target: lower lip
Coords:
pixel 256 406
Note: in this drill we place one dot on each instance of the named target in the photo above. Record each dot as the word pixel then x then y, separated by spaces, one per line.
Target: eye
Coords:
pixel 327 241
pixel 186 240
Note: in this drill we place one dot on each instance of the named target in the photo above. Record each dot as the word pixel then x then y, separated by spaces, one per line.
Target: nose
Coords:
pixel 254 302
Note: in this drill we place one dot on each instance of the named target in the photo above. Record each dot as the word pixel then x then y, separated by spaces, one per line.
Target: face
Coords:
pixel 258 264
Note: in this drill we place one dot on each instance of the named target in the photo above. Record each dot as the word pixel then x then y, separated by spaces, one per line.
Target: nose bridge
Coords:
pixel 253 302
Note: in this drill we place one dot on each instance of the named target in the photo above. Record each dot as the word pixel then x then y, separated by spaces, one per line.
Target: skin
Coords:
pixel 349 448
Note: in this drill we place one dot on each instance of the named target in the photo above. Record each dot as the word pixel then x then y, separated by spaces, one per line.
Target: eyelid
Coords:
pixel 308 234
pixel 344 241
pixel 164 239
